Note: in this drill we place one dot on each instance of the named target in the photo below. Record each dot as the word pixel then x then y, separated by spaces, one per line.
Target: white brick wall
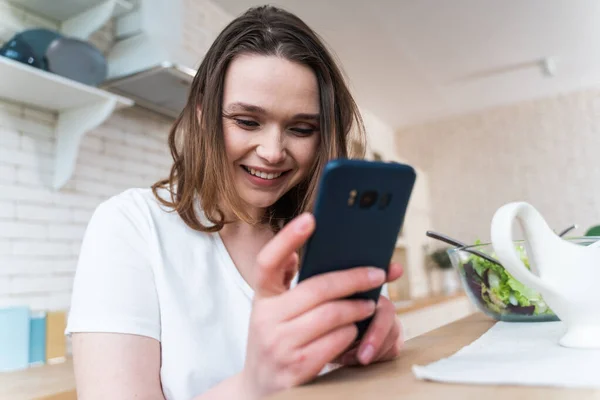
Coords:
pixel 546 152
pixel 40 228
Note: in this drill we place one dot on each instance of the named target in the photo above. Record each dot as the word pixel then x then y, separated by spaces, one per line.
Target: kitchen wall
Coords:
pixel 40 228
pixel 380 139
pixel 545 152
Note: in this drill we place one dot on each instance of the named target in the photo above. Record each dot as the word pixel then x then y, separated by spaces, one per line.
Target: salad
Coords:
pixel 499 290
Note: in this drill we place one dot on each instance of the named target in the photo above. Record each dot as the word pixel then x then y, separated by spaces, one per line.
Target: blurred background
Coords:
pixel 491 101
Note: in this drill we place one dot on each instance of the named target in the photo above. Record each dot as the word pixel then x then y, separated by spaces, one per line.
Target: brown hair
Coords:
pixel 200 169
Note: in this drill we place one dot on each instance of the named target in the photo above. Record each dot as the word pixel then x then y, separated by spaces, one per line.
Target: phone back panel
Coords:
pixel 348 235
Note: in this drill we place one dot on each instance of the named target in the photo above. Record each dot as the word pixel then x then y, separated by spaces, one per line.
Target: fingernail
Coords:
pixel 376 275
pixel 303 223
pixel 366 354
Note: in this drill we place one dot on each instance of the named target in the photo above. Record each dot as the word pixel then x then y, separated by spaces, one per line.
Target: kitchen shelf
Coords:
pixel 80 107
pixel 77 18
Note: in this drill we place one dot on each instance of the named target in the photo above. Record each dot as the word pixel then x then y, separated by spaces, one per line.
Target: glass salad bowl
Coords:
pixel 495 291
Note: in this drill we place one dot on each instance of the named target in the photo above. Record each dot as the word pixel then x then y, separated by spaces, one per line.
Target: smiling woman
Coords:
pixel 185 290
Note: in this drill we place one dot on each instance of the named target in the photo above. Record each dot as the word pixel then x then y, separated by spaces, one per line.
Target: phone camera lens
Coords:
pixel 368 198
pixel 384 201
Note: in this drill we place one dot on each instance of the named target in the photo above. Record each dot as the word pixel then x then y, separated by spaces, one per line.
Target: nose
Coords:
pixel 271 147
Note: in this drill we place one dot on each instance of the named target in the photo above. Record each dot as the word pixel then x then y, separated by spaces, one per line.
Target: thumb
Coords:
pixel 278 259
pixel 281 280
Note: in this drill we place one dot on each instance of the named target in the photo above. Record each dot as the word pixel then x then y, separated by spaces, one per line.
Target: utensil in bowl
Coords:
pixel 458 243
pixel 567 230
pixel 495 291
pixel 455 242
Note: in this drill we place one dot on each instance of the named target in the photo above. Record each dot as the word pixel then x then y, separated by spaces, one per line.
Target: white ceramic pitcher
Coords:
pixel 566 274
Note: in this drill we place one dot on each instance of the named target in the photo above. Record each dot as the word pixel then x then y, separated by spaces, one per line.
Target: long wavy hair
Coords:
pixel 200 170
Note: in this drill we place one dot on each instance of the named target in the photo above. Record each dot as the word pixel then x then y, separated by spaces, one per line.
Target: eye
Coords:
pixel 303 131
pixel 246 123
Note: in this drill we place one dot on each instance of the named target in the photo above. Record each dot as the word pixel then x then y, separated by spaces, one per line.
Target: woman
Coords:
pixel 183 291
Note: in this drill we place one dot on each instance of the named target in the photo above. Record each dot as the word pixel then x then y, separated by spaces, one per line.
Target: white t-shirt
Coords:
pixel 143 271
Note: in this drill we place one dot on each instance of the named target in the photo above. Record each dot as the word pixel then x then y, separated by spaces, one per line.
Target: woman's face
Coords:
pixel 270 125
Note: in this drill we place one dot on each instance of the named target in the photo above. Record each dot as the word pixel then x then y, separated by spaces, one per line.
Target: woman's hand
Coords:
pixel 383 339
pixel 294 333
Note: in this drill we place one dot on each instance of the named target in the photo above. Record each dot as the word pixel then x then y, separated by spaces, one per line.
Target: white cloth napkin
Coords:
pixel 518 354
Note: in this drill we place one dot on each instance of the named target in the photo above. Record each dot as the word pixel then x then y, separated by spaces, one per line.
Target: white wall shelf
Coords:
pixel 77 18
pixel 80 107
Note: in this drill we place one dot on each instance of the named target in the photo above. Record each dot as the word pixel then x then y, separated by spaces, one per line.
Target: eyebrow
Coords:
pixel 240 106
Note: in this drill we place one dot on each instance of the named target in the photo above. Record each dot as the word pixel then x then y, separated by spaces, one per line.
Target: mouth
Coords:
pixel 269 176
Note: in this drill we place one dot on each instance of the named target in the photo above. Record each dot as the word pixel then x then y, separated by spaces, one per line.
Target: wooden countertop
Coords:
pixel 404 307
pixel 395 380
pixel 391 380
pixel 37 382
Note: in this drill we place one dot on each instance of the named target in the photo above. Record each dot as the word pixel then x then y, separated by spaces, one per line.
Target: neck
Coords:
pixel 238 225
pixel 239 229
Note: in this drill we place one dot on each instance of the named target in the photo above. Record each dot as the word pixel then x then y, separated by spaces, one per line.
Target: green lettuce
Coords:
pixel 502 292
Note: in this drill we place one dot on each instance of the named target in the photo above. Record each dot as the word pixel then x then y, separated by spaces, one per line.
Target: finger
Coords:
pixel 326 318
pixel 330 286
pixel 390 348
pixel 383 322
pixel 348 358
pixel 395 271
pixel 280 284
pixel 314 356
pixel 270 275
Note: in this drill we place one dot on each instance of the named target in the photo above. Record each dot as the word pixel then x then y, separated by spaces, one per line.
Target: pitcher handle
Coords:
pixel 503 242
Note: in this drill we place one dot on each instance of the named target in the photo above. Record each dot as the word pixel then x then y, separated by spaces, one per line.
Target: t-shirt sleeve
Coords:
pixel 114 288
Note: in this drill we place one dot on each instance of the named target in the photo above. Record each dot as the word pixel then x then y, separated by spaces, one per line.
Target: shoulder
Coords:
pixel 135 199
pixel 140 211
pixel 127 217
pixel 134 205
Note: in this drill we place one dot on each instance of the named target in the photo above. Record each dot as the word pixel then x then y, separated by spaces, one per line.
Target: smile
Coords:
pixel 264 175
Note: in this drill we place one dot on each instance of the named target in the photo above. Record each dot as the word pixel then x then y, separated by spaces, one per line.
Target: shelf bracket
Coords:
pixel 83 25
pixel 72 125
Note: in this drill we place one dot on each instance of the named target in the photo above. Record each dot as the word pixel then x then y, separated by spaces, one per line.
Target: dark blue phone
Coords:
pixel 359 210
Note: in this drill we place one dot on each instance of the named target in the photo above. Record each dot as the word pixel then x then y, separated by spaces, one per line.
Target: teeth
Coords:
pixel 264 175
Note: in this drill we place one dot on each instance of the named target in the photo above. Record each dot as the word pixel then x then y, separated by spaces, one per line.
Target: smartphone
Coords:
pixel 359 211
